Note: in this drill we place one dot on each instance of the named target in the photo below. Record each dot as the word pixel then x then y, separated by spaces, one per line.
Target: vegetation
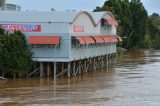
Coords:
pixel 154 30
pixel 141 31
pixel 15 57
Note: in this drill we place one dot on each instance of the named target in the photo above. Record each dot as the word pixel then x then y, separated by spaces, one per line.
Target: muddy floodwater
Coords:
pixel 135 81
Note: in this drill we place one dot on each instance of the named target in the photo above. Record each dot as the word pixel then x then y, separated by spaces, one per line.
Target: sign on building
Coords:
pixel 78 28
pixel 21 27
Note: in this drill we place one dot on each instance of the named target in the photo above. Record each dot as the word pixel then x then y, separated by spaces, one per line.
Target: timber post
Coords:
pixel 41 70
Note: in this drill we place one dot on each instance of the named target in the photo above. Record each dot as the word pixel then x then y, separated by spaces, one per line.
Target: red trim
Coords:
pixel 44 40
pixel 90 16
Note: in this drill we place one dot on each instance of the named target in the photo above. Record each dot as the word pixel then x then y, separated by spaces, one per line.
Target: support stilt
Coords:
pixel 41 70
pixel 69 69
pixel 85 65
pixel 74 68
pixel 48 69
pixel 80 67
pixel 55 69
pixel 62 68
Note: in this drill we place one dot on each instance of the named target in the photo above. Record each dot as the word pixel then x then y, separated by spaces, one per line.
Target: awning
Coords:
pixel 80 39
pixel 112 22
pixel 88 39
pixel 114 39
pixel 44 40
pixel 98 39
pixel 119 39
pixel 110 38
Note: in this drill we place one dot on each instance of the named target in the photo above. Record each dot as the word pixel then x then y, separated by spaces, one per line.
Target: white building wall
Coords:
pixel 109 31
pixel 52 54
pixel 84 20
pixel 83 53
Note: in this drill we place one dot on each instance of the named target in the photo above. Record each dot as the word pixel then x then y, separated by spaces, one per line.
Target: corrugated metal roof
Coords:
pixel 44 16
pixel 36 16
pixel 10 1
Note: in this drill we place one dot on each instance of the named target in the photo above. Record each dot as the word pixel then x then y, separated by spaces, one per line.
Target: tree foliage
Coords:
pixel 132 18
pixel 15 57
pixel 140 22
pixel 154 30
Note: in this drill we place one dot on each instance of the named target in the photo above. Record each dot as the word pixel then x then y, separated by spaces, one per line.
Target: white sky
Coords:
pixel 60 5
pixel 88 5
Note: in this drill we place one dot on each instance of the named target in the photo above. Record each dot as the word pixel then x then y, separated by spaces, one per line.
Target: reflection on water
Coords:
pixel 134 81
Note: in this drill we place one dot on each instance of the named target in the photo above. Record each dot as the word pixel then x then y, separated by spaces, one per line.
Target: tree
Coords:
pixel 15 56
pixel 126 22
pixel 155 15
pixel 154 30
pixel 140 22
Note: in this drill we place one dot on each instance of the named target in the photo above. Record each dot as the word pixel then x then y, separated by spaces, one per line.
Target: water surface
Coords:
pixel 134 82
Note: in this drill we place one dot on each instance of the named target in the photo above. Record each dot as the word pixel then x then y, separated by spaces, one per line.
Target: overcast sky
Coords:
pixel 89 5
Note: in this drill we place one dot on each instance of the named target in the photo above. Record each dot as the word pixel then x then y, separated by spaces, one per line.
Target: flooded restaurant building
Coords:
pixel 66 43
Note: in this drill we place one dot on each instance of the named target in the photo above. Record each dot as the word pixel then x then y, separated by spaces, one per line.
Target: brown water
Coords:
pixel 134 82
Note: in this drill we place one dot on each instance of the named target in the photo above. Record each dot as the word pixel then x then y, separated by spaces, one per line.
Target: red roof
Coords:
pixel 44 40
pixel 112 22
pixel 98 39
pixel 88 39
pixel 80 39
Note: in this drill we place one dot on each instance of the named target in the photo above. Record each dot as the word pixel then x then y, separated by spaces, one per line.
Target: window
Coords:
pixel 105 25
pixel 75 43
pixel 11 6
pixel 45 46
